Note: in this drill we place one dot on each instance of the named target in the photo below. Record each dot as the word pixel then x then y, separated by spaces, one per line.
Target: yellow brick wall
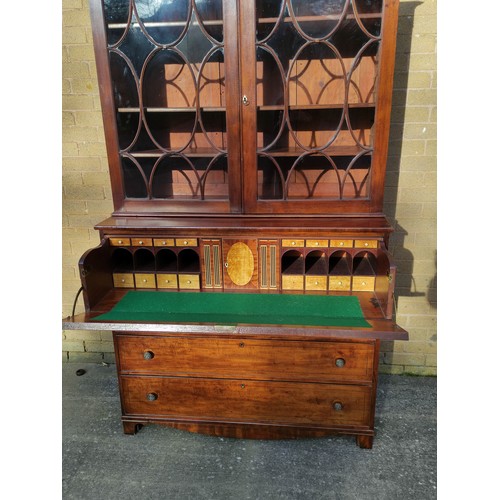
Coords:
pixel 410 200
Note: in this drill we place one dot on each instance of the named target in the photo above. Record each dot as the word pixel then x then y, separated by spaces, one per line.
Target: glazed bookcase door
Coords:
pixel 314 96
pixel 167 68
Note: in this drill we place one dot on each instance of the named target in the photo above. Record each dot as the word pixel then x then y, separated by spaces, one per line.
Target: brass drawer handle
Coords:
pixel 152 396
pixel 340 362
pixel 148 355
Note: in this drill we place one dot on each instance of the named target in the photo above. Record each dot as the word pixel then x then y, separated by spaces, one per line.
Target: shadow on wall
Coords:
pixel 405 283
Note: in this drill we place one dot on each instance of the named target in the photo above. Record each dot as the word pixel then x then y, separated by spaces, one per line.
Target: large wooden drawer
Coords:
pixel 247 400
pixel 246 358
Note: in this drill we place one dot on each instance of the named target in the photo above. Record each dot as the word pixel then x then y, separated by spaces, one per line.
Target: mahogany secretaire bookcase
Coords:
pixel 244 271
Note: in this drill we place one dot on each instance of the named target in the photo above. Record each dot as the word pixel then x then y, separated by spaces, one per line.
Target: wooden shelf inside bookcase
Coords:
pixel 270 107
pixel 314 19
pixel 262 20
pixel 211 152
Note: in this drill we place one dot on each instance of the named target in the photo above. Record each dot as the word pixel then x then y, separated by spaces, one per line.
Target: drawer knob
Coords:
pixel 141 242
pixel 163 242
pixel 148 355
pixel 366 243
pixel 152 396
pixel 337 406
pixel 294 243
pixel 242 344
pixel 340 283
pixel 144 280
pixel 120 242
pixel 340 362
pixel 188 282
pixel 316 282
pixel 341 243
pixel 245 100
pixel 185 242
pixel 123 280
pixel 363 283
pixel 317 243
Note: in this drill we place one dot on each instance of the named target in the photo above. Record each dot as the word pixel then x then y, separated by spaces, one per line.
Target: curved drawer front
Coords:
pixel 246 358
pixel 247 400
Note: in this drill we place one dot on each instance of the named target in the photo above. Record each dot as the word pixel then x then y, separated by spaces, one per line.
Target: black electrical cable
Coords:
pixel 74 303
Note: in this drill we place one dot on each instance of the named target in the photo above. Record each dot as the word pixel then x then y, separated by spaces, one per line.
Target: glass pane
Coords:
pixel 126 99
pixel 210 16
pixel 116 14
pixel 165 22
pixel 168 75
pixel 317 19
pixel 316 90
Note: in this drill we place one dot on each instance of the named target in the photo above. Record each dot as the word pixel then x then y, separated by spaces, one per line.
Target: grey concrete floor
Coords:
pixel 100 462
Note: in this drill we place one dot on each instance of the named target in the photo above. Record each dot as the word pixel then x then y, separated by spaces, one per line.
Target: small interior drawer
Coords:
pixel 339 283
pixel 341 243
pixel 166 280
pixel 189 281
pixel 164 242
pixel 316 282
pixel 317 243
pixel 142 242
pixel 363 283
pixel 119 242
pixel 366 243
pixel 145 280
pixel 292 243
pixel 292 282
pixel 186 242
pixel 123 280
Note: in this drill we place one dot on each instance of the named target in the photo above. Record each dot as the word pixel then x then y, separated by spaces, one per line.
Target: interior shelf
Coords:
pixel 164 24
pixel 193 152
pixel 274 107
pixel 314 19
pixel 262 20
pixel 307 107
pixel 331 151
pixel 209 109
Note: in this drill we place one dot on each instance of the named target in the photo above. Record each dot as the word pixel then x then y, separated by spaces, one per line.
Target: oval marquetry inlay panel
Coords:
pixel 240 263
